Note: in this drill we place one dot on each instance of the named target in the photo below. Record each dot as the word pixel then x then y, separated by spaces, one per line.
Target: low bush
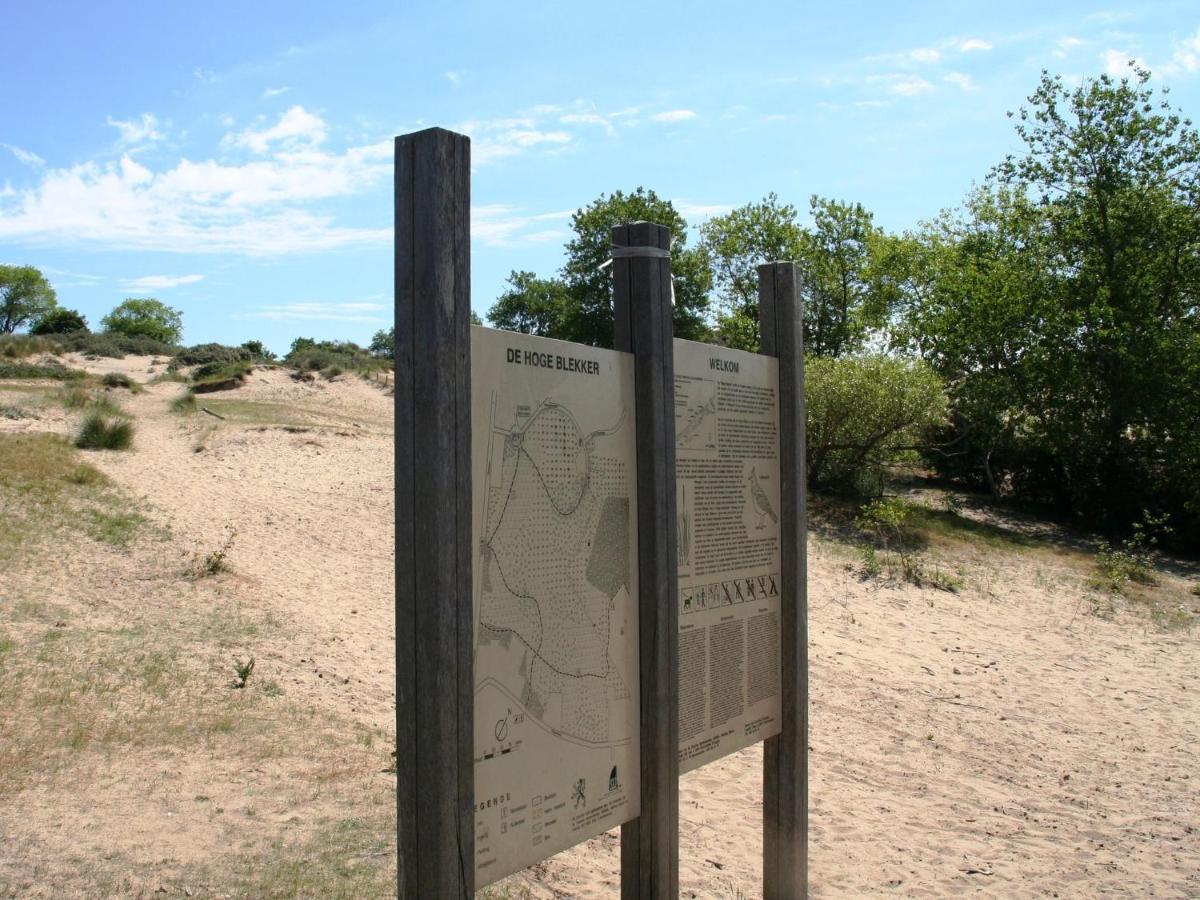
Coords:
pixel 225 376
pixel 112 345
pixel 100 432
pixel 48 370
pixel 864 412
pixel 308 355
pixel 119 380
pixel 1133 560
pixel 18 346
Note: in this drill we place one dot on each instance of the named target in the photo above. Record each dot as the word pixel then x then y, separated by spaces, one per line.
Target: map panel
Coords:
pixel 556 676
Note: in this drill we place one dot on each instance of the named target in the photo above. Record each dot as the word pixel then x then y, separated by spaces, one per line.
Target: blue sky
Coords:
pixel 234 160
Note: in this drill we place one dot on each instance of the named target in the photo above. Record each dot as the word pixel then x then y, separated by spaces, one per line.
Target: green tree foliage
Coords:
pixel 842 303
pixel 383 343
pixel 533 305
pixel 25 296
pixel 59 320
pixel 864 411
pixel 577 306
pixel 1062 307
pixel 145 317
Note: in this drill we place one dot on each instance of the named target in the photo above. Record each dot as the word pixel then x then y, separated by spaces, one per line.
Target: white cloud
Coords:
pixel 452 76
pixel 357 311
pixel 674 115
pixel 275 92
pixel 903 85
pixel 498 225
pixel 696 212
pixel 137 131
pixel 296 127
pixel 588 118
pixel 960 80
pixel 973 44
pixel 493 139
pixel 925 55
pixel 1186 56
pixel 148 283
pixel 26 157
pixel 255 208
pixel 1116 63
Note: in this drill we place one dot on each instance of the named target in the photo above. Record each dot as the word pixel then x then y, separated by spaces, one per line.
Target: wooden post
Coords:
pixel 785 757
pixel 434 678
pixel 643 327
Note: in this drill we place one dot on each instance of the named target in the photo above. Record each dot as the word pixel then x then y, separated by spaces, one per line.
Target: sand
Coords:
pixel 1001 741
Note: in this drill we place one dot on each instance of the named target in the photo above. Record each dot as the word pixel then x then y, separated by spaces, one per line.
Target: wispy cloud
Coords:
pixel 148 283
pixel 453 76
pixel 136 131
pixel 960 80
pixel 493 139
pixel 296 127
pixel 698 212
pixel 588 118
pixel 274 92
pixel 971 44
pixel 367 311
pixel 498 225
pixel 1185 56
pixel 903 85
pixel 25 157
pixel 674 115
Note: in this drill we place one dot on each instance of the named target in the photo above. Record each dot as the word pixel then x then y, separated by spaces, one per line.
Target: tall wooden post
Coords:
pixel 434 679
pixel 785 757
pixel 643 327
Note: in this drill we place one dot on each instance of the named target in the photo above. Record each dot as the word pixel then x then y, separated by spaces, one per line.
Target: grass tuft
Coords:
pixel 99 432
pixel 184 404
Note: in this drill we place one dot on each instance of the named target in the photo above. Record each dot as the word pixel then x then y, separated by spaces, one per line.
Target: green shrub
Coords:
pixel 18 346
pixel 99 432
pixel 50 370
pixel 113 345
pixel 118 380
pixel 864 412
pixel 206 354
pixel 1133 560
pixel 308 355
pixel 59 320
pixel 214 376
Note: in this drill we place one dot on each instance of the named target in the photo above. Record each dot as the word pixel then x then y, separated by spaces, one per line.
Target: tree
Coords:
pixel 383 344
pixel 145 317
pixel 25 296
pixel 59 320
pixel 841 303
pixel 1064 308
pixel 533 305
pixel 577 306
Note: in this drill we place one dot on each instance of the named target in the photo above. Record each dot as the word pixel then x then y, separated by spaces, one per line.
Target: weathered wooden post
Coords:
pixel 785 756
pixel 643 326
pixel 434 682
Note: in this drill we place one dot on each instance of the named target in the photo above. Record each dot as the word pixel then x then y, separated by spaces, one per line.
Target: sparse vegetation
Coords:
pixel 52 371
pixel 120 380
pixel 218 376
pixel 100 432
pixel 1133 560
pixel 216 561
pixel 242 671
pixel 185 403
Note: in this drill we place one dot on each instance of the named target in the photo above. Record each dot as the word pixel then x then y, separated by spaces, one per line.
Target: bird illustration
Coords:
pixel 762 505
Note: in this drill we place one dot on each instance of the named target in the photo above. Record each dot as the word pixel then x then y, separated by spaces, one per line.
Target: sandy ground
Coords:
pixel 1002 741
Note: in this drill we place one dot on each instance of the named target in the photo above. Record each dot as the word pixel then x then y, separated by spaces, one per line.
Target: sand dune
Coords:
pixel 1001 741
